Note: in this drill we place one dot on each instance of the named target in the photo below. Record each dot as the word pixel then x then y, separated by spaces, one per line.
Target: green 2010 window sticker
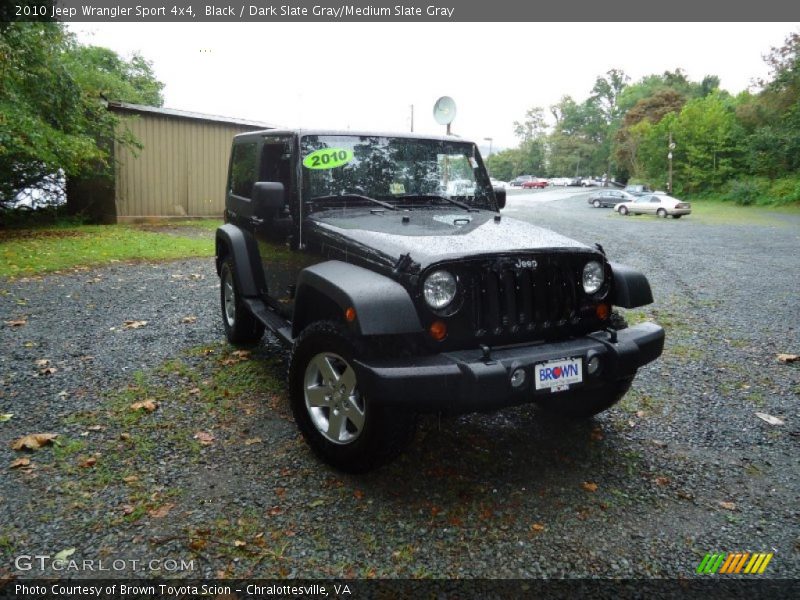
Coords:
pixel 328 158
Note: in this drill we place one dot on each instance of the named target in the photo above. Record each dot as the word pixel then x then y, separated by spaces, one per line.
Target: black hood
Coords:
pixel 433 235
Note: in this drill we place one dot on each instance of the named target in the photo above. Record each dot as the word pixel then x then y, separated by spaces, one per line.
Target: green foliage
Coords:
pixel 763 191
pixel 745 148
pixel 51 112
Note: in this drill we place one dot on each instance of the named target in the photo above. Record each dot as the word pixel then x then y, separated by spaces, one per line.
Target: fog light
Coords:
pixel 438 330
pixel 517 377
pixel 593 365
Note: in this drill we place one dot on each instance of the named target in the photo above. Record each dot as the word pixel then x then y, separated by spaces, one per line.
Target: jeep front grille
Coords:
pixel 515 300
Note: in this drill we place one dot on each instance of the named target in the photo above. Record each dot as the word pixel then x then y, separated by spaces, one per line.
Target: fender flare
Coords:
pixel 242 247
pixel 630 287
pixel 383 306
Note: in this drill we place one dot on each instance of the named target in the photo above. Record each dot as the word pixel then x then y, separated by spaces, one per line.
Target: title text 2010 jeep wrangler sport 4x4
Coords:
pixel 384 263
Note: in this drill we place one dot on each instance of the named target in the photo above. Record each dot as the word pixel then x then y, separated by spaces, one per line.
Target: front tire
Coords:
pixel 241 327
pixel 662 213
pixel 343 426
pixel 623 210
pixel 597 203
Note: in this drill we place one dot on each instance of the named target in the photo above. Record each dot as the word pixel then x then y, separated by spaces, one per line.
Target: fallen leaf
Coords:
pixel 188 320
pixel 127 509
pixel 275 511
pixel 788 358
pixel 16 323
pixel 589 486
pixel 161 511
pixel 5 417
pixel 197 544
pixel 20 462
pixel 48 371
pixel 251 441
pixel 130 479
pixel 537 527
pixel 241 354
pixel 96 428
pixel 662 481
pixel 133 324
pixel 205 439
pixel 34 441
pixel 64 554
pixel 239 543
pixel 89 462
pixel 316 503
pixel 195 391
pixel 640 413
pixel 147 405
pixel 728 505
pixel 125 436
pixel 358 494
pixel 42 362
pixel 769 418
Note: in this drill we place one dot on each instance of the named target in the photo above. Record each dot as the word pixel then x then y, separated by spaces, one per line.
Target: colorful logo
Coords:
pixel 734 563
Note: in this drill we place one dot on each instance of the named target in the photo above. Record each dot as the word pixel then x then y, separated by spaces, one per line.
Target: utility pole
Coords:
pixel 488 139
pixel 412 118
pixel 669 157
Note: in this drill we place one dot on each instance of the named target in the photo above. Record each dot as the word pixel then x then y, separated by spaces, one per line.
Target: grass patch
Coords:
pixel 33 251
pixel 716 211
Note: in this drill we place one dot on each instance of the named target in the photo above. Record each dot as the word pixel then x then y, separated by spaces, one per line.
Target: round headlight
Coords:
pixel 593 277
pixel 439 289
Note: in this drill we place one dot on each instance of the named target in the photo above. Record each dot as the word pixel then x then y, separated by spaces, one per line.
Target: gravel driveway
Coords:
pixel 217 476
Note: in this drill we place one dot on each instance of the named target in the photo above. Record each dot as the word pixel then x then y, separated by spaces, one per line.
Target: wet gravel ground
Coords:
pixel 681 467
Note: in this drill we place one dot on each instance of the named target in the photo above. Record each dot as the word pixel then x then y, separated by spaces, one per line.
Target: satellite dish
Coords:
pixel 444 111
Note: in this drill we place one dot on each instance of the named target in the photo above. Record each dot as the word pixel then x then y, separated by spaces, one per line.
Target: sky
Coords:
pixel 366 76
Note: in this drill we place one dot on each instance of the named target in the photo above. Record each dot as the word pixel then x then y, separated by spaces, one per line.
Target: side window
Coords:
pixel 244 168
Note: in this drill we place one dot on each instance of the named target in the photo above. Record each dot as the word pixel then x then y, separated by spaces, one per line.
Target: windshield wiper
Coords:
pixel 358 197
pixel 466 207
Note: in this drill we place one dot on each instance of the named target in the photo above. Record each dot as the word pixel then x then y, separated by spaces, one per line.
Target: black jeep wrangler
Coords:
pixel 384 263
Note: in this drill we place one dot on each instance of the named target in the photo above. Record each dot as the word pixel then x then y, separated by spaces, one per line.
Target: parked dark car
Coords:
pixel 397 297
pixel 638 190
pixel 608 198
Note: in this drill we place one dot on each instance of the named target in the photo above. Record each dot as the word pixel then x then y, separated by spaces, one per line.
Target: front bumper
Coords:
pixel 466 381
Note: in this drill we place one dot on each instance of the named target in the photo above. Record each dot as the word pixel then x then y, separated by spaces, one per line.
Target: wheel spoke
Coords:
pixel 318 396
pixel 326 369
pixel 348 379
pixel 355 413
pixel 336 425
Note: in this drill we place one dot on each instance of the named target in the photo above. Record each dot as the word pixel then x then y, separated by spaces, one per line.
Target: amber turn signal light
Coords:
pixel 438 330
pixel 350 314
pixel 602 311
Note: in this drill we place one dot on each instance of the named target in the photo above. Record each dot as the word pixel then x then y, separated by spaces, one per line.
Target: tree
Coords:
pixel 51 113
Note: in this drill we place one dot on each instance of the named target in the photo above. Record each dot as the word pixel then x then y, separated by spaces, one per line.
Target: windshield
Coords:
pixel 403 172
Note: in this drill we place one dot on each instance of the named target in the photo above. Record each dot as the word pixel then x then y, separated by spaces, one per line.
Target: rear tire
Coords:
pixel 623 210
pixel 597 203
pixel 584 405
pixel 241 327
pixel 342 425
pixel 676 216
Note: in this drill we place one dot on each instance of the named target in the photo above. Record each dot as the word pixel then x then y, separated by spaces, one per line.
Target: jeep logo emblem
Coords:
pixel 525 264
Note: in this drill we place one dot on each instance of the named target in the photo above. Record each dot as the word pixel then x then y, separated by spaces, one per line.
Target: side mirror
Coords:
pixel 268 197
pixel 500 197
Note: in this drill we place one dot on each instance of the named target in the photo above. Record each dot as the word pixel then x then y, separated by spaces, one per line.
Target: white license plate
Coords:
pixel 558 375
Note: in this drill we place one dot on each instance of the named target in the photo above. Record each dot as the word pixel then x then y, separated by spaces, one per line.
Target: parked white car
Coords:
pixel 496 183
pixel 655 204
